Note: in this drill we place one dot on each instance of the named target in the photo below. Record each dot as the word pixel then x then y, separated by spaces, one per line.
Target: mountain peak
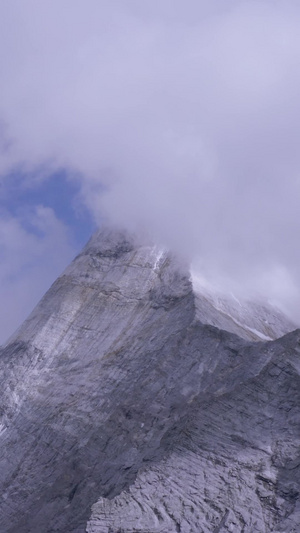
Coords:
pixel 111 242
pixel 123 385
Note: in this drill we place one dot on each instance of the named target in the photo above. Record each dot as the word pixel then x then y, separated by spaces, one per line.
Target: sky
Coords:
pixel 178 118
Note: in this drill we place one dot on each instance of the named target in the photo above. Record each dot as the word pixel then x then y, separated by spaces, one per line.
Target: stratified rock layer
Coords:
pixel 113 390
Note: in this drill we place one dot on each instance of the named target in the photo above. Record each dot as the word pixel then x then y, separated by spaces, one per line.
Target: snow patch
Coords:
pixel 259 334
pixel 159 255
pixel 258 319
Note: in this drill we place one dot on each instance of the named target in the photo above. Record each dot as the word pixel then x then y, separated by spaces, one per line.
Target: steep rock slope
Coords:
pixel 232 463
pixel 251 320
pixel 114 389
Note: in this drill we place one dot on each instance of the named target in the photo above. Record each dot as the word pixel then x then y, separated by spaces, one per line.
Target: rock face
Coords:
pixel 122 411
pixel 250 320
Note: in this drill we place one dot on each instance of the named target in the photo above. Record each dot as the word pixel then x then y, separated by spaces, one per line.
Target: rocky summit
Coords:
pixel 134 401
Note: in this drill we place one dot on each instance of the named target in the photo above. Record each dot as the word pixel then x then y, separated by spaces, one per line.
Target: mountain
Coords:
pixel 126 406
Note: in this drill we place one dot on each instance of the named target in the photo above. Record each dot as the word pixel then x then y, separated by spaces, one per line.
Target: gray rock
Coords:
pixel 114 393
pixel 232 463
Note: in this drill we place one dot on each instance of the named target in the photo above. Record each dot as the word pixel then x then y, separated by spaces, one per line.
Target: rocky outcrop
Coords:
pixel 116 394
pixel 233 461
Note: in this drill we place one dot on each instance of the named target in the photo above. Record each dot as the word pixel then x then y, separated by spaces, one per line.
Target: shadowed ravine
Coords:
pixel 115 394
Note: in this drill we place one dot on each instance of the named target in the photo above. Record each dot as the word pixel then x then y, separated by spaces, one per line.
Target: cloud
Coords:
pixel 180 118
pixel 34 248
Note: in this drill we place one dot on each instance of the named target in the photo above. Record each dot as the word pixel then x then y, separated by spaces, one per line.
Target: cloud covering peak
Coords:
pixel 178 118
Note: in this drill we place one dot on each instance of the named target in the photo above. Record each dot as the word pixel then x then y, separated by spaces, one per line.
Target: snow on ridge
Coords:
pixel 251 319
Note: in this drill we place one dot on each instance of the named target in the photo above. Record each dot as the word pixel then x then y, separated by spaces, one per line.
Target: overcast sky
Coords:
pixel 178 117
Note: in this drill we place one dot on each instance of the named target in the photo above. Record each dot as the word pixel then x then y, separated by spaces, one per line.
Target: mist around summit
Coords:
pixel 180 121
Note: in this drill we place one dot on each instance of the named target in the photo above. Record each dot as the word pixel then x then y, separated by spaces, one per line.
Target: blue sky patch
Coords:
pixel 58 191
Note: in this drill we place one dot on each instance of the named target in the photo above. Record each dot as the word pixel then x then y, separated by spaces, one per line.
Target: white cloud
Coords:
pixel 186 113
